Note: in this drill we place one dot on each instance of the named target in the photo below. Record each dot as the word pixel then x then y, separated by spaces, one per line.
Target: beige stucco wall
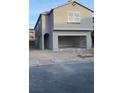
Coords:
pixel 61 17
pixel 43 23
pixel 58 19
pixel 47 24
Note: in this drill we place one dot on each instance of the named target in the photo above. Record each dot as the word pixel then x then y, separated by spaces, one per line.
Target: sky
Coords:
pixel 38 6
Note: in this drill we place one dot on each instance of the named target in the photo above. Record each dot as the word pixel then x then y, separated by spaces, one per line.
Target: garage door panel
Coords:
pixel 72 41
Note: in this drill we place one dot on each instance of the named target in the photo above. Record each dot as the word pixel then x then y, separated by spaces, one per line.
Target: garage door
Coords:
pixel 72 41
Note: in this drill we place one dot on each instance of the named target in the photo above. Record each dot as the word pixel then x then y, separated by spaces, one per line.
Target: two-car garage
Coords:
pixel 71 39
pixel 72 42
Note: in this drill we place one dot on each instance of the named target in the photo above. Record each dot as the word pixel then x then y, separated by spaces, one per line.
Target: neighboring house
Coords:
pixel 66 26
pixel 31 37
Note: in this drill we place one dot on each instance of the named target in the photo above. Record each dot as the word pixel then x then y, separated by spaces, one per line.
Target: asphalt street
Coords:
pixel 62 78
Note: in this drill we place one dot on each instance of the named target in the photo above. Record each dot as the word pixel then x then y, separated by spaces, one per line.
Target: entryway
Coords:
pixel 46 41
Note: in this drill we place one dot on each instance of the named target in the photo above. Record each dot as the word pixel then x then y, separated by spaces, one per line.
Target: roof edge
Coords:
pixel 31 28
pixel 37 21
pixel 74 2
pixel 61 6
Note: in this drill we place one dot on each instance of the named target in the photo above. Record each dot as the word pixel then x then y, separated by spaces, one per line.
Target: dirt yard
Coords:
pixel 48 56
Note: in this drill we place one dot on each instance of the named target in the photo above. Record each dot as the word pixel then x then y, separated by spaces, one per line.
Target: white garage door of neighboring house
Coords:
pixel 72 42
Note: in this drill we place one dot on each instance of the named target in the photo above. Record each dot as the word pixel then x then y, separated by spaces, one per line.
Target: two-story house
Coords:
pixel 66 26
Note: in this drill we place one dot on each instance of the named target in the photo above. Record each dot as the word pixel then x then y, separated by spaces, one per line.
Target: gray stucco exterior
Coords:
pixel 54 32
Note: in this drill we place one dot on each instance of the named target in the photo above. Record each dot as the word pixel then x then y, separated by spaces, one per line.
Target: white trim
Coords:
pixel 70 29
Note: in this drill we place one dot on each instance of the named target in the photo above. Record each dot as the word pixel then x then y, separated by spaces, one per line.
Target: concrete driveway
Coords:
pixel 77 77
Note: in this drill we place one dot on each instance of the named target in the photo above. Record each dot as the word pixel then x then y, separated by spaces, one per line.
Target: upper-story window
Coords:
pixel 73 17
pixel 31 33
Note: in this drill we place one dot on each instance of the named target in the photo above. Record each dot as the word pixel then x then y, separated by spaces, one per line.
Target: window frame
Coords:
pixel 73 20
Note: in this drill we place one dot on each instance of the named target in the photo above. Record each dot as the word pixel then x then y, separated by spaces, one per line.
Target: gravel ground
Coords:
pixel 38 57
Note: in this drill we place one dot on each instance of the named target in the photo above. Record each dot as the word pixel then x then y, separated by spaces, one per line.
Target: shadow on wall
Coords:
pixel 46 41
pixel 31 44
